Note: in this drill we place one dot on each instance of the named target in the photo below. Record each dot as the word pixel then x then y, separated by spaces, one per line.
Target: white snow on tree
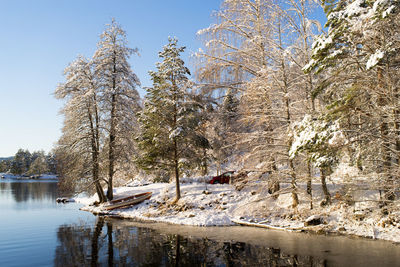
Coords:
pixel 320 139
pixel 119 97
pixel 169 122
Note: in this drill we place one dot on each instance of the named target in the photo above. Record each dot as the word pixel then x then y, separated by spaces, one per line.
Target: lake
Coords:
pixel 37 231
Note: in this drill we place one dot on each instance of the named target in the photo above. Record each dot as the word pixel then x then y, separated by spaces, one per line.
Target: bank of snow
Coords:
pixel 222 205
pixel 201 204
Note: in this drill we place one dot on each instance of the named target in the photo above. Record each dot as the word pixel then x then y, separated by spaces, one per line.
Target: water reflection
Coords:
pixel 4 186
pixel 33 191
pixel 21 191
pixel 113 244
pixel 78 245
pixel 39 232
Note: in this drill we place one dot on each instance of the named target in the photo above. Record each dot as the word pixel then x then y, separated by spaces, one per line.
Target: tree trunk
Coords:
pixel 273 185
pixel 99 189
pixel 95 173
pixel 309 183
pixel 309 87
pixel 205 165
pixel 95 155
pixel 111 156
pixel 295 197
pixel 176 156
pixel 327 196
pixel 113 117
pixel 176 163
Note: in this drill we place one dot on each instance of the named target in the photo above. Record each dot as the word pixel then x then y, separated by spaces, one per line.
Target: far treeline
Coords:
pixel 27 163
pixel 271 93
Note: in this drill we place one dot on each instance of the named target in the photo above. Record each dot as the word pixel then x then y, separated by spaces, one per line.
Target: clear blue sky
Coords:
pixel 39 38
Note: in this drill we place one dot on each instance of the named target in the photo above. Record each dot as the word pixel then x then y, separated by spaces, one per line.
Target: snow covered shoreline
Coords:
pixel 200 205
pixel 224 205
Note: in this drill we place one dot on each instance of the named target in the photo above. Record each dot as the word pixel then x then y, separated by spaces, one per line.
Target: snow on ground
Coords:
pixel 203 204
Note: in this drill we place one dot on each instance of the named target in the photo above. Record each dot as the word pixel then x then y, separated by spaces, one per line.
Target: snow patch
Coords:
pixel 374 59
pixel 175 133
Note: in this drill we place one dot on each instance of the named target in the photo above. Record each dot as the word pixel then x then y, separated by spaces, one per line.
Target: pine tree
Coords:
pixel 5 165
pixel 21 162
pixel 51 162
pixel 170 117
pixel 224 126
pixel 38 165
pixel 119 98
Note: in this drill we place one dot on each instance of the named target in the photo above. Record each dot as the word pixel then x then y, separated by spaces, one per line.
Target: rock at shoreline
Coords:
pixel 313 220
pixel 64 200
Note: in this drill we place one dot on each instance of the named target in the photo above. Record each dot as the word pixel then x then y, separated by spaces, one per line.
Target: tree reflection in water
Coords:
pixel 25 191
pixel 109 243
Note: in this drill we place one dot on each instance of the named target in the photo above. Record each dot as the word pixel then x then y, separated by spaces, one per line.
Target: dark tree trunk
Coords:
pixel 113 118
pixel 176 156
pixel 95 241
pixel 309 183
pixel 95 154
pixel 176 166
pixel 327 196
pixel 99 189
pixel 111 152
pixel 205 165
pixel 295 197
pixel 273 185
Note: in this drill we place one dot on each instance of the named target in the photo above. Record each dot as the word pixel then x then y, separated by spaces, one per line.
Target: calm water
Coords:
pixel 36 231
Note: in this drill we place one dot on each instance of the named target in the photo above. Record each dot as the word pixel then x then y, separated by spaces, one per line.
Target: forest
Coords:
pixel 272 93
pixel 27 163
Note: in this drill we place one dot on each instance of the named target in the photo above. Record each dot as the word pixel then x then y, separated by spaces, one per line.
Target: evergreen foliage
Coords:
pixel 27 163
pixel 169 139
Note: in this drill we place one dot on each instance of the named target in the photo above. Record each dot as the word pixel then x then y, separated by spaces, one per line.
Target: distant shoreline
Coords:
pixel 31 177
